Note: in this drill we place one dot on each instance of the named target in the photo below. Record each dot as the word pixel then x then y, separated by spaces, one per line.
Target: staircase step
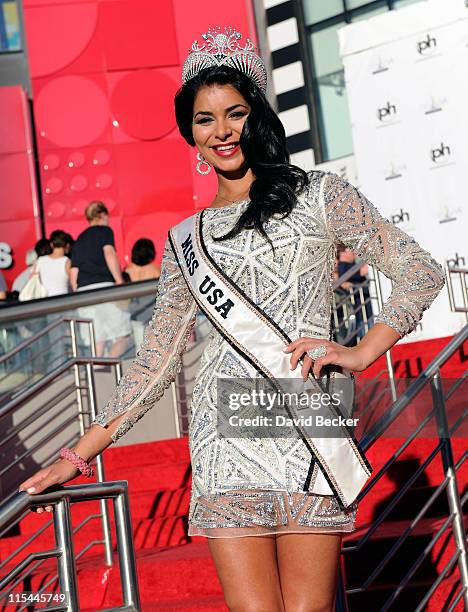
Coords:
pixel 169 475
pixel 148 453
pixel 184 577
pixel 421 352
pixel 360 563
pixel 169 530
pixel 166 575
pixel 409 598
pixel 200 604
pixel 172 574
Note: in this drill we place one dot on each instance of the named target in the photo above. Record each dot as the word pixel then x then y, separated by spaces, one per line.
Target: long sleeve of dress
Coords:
pixel 159 358
pixel 417 277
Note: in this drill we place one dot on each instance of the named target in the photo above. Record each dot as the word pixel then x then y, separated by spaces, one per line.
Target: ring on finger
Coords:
pixel 318 351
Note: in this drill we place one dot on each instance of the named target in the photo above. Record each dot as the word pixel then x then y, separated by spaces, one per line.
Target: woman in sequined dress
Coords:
pixel 254 487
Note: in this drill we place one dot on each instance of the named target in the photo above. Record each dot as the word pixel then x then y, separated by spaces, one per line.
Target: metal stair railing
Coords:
pixel 22 311
pixel 72 365
pixel 462 273
pixel 31 350
pixel 430 376
pixel 20 505
pixel 352 303
pixel 24 318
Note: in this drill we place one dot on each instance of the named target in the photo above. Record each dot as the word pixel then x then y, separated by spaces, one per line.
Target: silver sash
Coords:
pixel 344 468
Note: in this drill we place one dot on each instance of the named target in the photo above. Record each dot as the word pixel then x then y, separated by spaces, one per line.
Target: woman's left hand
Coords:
pixel 347 357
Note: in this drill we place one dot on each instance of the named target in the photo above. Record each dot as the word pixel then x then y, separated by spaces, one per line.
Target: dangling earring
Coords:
pixel 201 162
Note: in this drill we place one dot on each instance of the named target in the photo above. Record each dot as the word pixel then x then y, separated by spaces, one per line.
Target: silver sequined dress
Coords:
pixel 254 486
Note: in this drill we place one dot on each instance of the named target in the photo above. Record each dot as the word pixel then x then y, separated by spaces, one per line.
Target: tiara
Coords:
pixel 223 49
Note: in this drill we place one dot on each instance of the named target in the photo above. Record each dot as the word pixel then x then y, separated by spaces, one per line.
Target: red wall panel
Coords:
pixel 19 218
pixel 104 77
pixel 142 103
pixel 64 38
pixel 71 111
pixel 138 34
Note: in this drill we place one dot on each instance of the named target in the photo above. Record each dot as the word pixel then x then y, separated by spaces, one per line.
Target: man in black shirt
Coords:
pixel 95 265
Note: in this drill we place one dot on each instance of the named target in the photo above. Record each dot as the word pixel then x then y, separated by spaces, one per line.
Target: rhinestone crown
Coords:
pixel 223 49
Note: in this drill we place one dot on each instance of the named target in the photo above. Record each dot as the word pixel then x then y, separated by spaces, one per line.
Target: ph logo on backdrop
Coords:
pixel 427 47
pixel 400 217
pixel 441 155
pixel 457 261
pixel 403 219
pixel 387 114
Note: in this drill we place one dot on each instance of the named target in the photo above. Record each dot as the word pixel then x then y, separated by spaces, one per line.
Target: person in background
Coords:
pixel 23 277
pixel 346 260
pixel 3 287
pixel 95 265
pixel 54 269
pixel 142 266
pixel 42 247
pixel 69 244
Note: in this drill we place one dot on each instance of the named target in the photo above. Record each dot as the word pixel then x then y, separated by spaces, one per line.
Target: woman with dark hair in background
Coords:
pixel 54 268
pixel 142 266
pixel 259 261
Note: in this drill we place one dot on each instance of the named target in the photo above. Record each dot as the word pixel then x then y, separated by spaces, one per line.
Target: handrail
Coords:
pixel 431 376
pixel 59 303
pixel 69 301
pixel 415 387
pixel 344 277
pixel 463 272
pixel 38 386
pixel 43 332
pixel 17 507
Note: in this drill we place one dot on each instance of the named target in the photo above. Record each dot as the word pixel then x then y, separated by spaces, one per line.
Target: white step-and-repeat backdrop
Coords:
pixel 406 77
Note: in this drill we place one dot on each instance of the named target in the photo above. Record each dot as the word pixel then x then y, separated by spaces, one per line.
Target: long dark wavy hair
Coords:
pixel 263 142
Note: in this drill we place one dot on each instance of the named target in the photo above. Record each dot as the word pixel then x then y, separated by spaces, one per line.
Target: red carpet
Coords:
pixel 410 358
pixel 178 574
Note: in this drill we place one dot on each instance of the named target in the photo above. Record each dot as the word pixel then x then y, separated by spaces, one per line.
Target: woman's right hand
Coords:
pixel 56 474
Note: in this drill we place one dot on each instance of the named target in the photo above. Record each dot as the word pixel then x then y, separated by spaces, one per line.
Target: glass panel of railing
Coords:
pixel 33 345
pixel 37 346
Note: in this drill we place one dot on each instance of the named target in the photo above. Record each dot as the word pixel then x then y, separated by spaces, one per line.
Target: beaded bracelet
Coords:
pixel 78 462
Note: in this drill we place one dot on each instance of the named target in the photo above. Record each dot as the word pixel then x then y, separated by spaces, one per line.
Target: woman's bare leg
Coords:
pixel 119 346
pixel 248 571
pixel 308 569
pixel 100 348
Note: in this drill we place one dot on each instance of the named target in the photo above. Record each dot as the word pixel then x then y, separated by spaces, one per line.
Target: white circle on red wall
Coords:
pixel 79 183
pixel 54 185
pixel 56 210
